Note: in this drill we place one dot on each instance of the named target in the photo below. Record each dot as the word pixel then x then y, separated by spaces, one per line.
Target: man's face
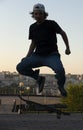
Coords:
pixel 38 16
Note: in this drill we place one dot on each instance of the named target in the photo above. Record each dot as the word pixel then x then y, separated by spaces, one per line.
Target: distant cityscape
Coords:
pixel 12 79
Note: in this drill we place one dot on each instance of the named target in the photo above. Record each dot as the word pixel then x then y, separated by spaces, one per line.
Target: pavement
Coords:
pixel 36 121
pixel 41 121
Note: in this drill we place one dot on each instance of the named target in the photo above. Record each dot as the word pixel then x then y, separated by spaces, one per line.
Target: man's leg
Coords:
pixel 25 68
pixel 54 62
pixel 26 65
pixel 60 76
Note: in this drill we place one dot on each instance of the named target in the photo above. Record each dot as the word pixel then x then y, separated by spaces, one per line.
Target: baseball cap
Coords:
pixel 39 7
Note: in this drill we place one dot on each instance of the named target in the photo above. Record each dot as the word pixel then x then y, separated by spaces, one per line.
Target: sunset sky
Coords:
pixel 14 25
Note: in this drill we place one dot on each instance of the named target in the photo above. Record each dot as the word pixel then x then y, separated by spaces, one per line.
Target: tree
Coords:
pixel 74 101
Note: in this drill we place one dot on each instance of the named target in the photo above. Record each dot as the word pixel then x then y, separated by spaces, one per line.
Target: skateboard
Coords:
pixel 37 107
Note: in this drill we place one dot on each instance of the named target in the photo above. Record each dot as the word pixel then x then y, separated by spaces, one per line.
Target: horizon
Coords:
pixel 47 73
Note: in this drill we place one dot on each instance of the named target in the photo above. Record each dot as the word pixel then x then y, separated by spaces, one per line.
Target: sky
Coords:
pixel 14 26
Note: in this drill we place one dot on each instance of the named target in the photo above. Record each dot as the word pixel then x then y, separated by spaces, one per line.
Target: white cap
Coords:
pixel 39 7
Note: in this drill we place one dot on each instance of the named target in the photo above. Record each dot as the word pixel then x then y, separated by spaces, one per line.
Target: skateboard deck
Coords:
pixel 50 108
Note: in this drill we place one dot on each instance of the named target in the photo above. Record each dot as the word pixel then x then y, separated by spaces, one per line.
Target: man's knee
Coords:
pixel 19 68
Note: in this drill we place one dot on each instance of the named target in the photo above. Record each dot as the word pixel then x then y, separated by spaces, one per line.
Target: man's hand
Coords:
pixel 67 51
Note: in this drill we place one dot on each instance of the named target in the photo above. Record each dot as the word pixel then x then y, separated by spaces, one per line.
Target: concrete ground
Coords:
pixel 40 121
pixel 35 121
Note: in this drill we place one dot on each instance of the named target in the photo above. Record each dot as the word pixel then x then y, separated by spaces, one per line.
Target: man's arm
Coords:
pixel 65 39
pixel 31 48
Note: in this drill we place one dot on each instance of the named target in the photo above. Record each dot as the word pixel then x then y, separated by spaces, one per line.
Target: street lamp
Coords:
pixel 21 84
pixel 28 89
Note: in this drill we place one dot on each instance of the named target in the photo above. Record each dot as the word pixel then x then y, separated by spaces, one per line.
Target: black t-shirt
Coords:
pixel 45 37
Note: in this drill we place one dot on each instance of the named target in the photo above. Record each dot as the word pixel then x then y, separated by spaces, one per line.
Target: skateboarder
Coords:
pixel 43 50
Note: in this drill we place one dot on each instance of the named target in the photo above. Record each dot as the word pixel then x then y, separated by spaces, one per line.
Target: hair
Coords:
pixel 45 14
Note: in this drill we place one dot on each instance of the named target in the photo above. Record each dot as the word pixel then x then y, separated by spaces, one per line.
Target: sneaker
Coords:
pixel 63 91
pixel 41 81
